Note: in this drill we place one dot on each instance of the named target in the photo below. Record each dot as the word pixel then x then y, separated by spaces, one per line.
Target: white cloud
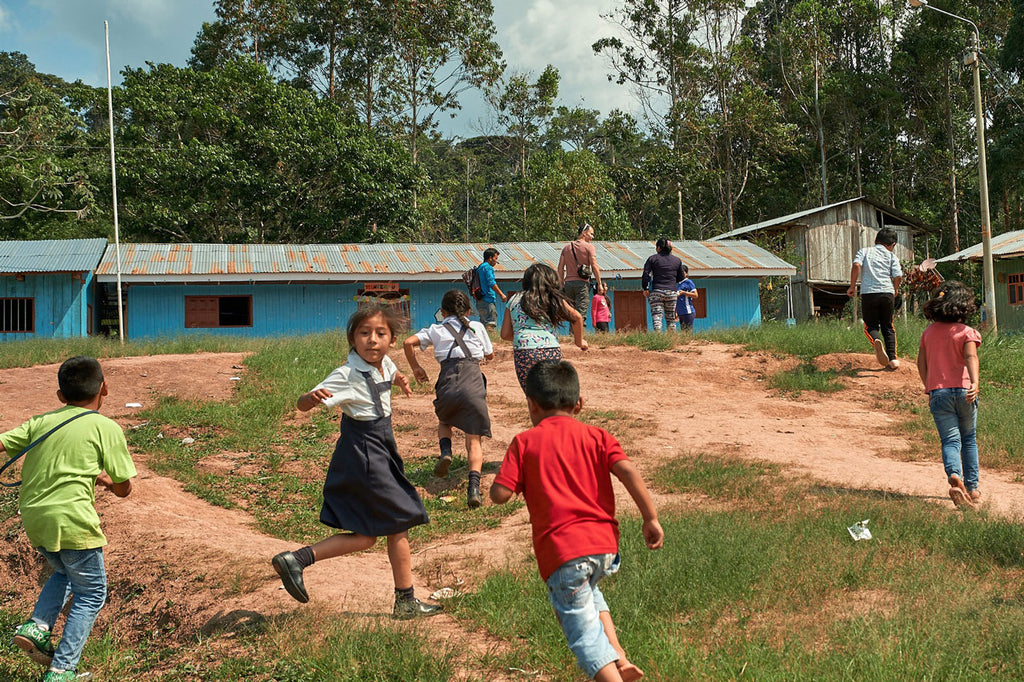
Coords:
pixel 562 33
pixel 5 20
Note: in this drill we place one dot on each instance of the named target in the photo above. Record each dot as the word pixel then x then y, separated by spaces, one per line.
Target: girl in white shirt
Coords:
pixel 461 389
pixel 366 494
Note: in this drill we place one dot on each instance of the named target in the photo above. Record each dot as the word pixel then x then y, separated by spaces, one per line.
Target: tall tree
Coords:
pixel 230 155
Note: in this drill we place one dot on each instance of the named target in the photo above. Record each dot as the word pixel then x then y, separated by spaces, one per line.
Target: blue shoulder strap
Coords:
pixel 36 442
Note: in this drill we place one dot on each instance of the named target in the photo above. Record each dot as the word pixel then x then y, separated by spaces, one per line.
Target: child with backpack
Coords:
pixel 461 389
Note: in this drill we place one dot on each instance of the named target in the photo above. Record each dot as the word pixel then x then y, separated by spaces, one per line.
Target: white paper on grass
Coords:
pixel 859 530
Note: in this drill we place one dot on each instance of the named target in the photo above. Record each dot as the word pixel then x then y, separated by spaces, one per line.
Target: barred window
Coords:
pixel 17 315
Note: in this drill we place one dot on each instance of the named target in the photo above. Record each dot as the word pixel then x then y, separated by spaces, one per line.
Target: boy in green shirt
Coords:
pixel 57 504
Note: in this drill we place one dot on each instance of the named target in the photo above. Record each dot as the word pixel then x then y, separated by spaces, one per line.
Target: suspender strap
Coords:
pixel 375 391
pixel 459 337
pixel 36 442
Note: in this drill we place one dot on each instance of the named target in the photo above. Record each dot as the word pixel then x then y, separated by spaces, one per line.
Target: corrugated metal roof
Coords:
pixel 51 255
pixel 794 218
pixel 1006 245
pixel 266 262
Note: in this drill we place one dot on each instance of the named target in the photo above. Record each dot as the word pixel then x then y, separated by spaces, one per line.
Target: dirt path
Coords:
pixel 170 551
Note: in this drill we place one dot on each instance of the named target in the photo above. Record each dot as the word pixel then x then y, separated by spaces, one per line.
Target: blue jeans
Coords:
pixel 573 591
pixel 957 421
pixel 77 572
pixel 488 313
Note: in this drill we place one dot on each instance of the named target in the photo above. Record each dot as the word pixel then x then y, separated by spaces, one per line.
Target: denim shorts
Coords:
pixel 578 601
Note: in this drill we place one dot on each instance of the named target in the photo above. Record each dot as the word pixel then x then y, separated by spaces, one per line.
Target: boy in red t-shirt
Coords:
pixel 563 469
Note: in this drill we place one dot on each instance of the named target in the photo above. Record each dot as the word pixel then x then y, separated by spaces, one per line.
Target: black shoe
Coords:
pixel 407 609
pixel 288 567
pixel 441 468
pixel 473 498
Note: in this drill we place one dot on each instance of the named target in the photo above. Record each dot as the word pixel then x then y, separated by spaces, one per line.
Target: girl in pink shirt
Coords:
pixel 600 310
pixel 947 361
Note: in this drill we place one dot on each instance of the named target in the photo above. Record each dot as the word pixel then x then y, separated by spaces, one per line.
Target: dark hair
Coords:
pixel 456 302
pixel 80 379
pixel 951 301
pixel 886 236
pixel 553 385
pixel 364 312
pixel 490 253
pixel 543 300
pixel 582 228
pixel 686 269
pixel 663 245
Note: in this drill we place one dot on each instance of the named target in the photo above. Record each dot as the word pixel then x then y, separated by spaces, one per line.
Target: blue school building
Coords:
pixel 263 290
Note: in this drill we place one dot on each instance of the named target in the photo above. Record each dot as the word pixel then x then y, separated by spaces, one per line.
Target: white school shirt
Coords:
pixel 350 391
pixel 879 267
pixel 477 340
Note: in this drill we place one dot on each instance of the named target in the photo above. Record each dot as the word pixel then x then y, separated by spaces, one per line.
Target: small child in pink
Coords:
pixel 947 361
pixel 600 309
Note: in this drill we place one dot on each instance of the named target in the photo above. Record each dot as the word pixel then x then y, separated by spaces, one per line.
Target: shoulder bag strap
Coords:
pixel 36 442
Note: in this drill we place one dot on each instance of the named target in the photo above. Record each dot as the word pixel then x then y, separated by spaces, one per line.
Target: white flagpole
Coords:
pixel 113 184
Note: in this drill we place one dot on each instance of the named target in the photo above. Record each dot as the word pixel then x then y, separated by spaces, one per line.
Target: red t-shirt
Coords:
pixel 563 468
pixel 943 343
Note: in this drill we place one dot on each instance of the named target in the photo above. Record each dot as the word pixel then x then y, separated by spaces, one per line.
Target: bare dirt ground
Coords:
pixel 178 564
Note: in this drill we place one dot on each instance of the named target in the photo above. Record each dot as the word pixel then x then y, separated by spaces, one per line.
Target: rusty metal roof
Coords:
pixel 325 262
pixel 51 255
pixel 1007 245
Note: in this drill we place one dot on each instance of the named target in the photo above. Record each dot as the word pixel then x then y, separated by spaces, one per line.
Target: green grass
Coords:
pixel 807 377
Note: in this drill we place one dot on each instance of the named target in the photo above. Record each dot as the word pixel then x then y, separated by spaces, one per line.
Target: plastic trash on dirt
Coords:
pixel 859 530
pixel 445 593
pixel 188 440
pixel 133 404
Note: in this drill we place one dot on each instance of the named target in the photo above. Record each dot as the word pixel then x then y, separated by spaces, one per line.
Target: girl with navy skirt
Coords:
pixel 461 389
pixel 366 493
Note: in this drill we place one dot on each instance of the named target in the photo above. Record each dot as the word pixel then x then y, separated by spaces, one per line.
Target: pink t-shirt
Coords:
pixel 586 254
pixel 599 310
pixel 943 344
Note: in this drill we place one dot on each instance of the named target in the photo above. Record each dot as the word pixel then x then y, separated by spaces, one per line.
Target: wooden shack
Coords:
pixel 822 242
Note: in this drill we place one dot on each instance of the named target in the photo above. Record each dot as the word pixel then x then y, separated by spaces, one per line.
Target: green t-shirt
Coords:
pixel 58 489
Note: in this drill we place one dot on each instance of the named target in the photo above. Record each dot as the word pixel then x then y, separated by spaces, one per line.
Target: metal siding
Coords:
pixel 730 303
pixel 51 255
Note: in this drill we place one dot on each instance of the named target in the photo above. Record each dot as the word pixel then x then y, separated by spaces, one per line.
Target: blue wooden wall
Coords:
pixel 284 309
pixel 61 304
pixel 731 302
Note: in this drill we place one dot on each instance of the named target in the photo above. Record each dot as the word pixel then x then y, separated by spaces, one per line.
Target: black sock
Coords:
pixel 304 556
pixel 446 447
pixel 405 594
pixel 474 479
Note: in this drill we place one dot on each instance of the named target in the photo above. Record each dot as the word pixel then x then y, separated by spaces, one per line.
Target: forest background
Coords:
pixel 316 121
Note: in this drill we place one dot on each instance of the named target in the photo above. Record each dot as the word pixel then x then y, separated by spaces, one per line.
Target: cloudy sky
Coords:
pixel 65 37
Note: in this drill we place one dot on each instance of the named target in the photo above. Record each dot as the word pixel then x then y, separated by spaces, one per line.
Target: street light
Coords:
pixel 988 280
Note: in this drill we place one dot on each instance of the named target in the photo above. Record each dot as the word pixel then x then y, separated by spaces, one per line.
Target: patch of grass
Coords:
pixel 782 592
pixel 49 351
pixel 807 377
pixel 713 476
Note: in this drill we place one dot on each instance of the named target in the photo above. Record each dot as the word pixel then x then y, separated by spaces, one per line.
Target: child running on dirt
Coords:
pixel 461 390
pixel 947 361
pixel 68 452
pixel 563 469
pixel 531 316
pixel 366 492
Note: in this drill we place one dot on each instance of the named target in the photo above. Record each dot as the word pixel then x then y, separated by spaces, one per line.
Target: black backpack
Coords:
pixel 472 279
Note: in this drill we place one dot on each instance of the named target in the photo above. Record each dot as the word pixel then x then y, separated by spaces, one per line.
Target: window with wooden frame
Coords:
pixel 211 312
pixel 17 315
pixel 1015 288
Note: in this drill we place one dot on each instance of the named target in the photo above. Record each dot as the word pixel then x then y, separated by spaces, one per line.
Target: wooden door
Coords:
pixel 630 308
